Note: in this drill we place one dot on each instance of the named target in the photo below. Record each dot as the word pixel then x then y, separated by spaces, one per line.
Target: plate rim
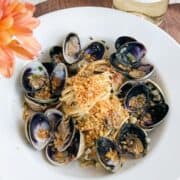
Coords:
pixel 115 10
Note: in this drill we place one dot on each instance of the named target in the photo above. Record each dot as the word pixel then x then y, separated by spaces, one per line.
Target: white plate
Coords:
pixel 19 161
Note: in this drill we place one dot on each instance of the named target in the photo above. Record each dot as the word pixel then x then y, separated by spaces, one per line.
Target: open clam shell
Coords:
pixel 54 116
pixel 137 98
pixel 153 116
pixel 128 59
pixel 51 100
pixel 141 72
pixel 49 66
pixel 56 54
pixel 64 134
pixel 94 51
pixel 49 95
pixel 131 54
pixel 155 113
pixel 123 40
pixel 108 154
pixel 55 157
pixel 40 104
pixel 76 149
pixel 34 76
pixel 132 140
pixel 26 128
pixel 156 94
pixel 38 131
pixel 146 100
pixel 71 48
pixel 124 88
pixel 34 105
pixel 58 79
pixel 73 152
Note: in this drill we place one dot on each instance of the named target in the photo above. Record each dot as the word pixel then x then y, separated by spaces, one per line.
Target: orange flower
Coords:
pixel 16 34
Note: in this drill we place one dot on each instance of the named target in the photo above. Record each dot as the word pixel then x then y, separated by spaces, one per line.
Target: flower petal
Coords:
pixel 21 30
pixel 20 50
pixel 20 8
pixel 10 8
pixel 5 37
pixel 6 62
pixel 30 7
pixel 1 13
pixel 4 3
pixel 26 20
pixel 30 44
pixel 32 23
pixel 6 23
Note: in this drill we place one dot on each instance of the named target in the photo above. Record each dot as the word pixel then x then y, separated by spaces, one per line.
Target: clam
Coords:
pixel 37 104
pixel 76 149
pixel 157 109
pixel 49 66
pixel 55 157
pixel 56 54
pixel 146 101
pixel 128 61
pixel 156 93
pixel 64 134
pixel 147 69
pixel 123 40
pixel 73 152
pixel 137 98
pixel 71 48
pixel 54 116
pixel 38 131
pixel 124 89
pixel 73 69
pixel 34 76
pixel 43 92
pixel 144 71
pixel 131 54
pixel 94 51
pixel 153 116
pixel 108 154
pixel 26 128
pixel 58 78
pixel 132 140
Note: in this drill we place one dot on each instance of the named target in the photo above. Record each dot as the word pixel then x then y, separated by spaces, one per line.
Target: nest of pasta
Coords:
pixel 91 98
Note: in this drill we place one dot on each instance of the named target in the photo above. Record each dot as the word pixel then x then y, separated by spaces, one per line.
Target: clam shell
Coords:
pixel 66 130
pixel 132 133
pixel 71 48
pixel 55 157
pixel 58 79
pixel 54 116
pixel 76 149
pixel 38 131
pixel 94 51
pixel 104 146
pixel 34 76
pixel 123 40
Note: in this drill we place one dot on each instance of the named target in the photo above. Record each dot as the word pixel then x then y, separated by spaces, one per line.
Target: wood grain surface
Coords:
pixel 171 23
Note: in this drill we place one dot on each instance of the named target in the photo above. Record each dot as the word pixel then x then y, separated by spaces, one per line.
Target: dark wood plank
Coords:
pixel 171 23
pixel 52 5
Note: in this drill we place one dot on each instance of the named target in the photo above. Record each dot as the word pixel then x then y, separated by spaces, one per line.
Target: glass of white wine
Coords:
pixel 152 10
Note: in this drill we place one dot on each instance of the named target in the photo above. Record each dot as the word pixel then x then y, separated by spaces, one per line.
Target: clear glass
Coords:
pixel 152 10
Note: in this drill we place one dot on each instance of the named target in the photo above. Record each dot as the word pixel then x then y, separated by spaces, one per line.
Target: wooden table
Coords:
pixel 170 25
